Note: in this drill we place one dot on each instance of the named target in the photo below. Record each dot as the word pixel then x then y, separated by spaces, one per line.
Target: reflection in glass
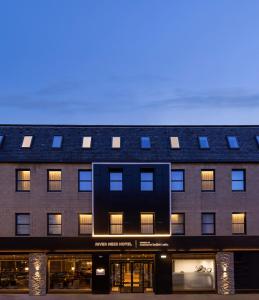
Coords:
pixel 70 273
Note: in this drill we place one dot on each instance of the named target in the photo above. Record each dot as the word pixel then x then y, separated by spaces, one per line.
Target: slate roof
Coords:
pixel 130 151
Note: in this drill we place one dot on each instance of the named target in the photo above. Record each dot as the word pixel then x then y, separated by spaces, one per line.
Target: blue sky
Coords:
pixel 129 61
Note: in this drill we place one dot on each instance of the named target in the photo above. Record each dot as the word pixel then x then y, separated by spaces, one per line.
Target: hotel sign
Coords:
pixel 131 244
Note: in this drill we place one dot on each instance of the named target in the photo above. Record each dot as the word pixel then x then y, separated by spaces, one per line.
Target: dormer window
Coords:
pixel 27 141
pixel 87 142
pixel 233 142
pixel 1 140
pixel 174 141
pixel 145 142
pixel 57 141
pixel 203 142
pixel 116 142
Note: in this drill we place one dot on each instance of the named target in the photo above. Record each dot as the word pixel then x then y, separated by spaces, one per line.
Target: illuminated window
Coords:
pixel 116 223
pixel 177 223
pixel 177 180
pixel 54 224
pixel 145 142
pixel 203 142
pixel 22 224
pixel 23 180
pixel 116 180
pixel 85 180
pixel 1 140
pixel 257 140
pixel 27 141
pixel 238 180
pixel 238 223
pixel 207 180
pixel 57 141
pixel 87 142
pixel 54 181
pixel 116 142
pixel 208 223
pixel 147 223
pixel 146 180
pixel 174 142
pixel 233 142
pixel 85 224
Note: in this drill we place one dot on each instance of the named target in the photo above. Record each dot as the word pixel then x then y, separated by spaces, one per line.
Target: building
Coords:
pixel 109 209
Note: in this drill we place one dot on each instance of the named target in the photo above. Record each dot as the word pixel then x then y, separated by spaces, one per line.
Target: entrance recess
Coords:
pixel 132 275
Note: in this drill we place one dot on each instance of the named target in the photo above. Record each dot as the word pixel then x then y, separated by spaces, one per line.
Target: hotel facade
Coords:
pixel 129 209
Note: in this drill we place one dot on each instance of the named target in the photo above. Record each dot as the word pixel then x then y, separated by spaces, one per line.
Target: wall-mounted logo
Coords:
pixel 100 272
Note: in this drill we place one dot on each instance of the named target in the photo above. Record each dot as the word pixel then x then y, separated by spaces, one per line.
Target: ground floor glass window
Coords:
pixel 70 273
pixel 14 272
pixel 193 274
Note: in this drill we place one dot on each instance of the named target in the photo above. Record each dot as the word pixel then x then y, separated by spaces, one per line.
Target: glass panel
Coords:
pixel 208 228
pixel 207 185
pixel 116 186
pixel 23 185
pixel 177 218
pixel 237 175
pixel 146 176
pixel 57 141
pixel 115 175
pixel 147 218
pixel 238 228
pixel 14 274
pixel 146 186
pixel 208 218
pixel 1 139
pixel 23 229
pixel 24 175
pixel 145 142
pixel 233 142
pixel 85 186
pixel 177 175
pixel 55 219
pixel 86 229
pixel 70 273
pixel 54 229
pixel 257 139
pixel 177 229
pixel 23 219
pixel 193 274
pixel 204 143
pixel 147 228
pixel 55 185
pixel 238 186
pixel 54 175
pixel 85 219
pixel 177 186
pixel 116 218
pixel 174 142
pixel 87 141
pixel 85 175
pixel 207 175
pixel 27 141
pixel 116 142
pixel 238 218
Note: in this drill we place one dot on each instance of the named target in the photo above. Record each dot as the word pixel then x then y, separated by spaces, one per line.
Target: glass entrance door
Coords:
pixel 132 276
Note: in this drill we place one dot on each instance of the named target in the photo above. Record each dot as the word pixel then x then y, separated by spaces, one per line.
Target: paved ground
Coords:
pixel 131 297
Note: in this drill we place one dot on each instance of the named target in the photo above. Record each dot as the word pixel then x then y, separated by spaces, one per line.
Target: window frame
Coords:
pixel 200 137
pixel 244 180
pixel 142 139
pixel 178 170
pixel 229 144
pixel 110 181
pixel 122 223
pixel 17 181
pixel 153 182
pixel 78 183
pixel 214 223
pixel 48 185
pixel 245 220
pixel 31 143
pixel 79 224
pixel 183 224
pixel 17 225
pixel 153 223
pixel 214 180
pixel 61 142
pixel 48 224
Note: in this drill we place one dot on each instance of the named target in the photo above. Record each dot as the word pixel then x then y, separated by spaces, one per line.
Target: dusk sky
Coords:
pixel 129 61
